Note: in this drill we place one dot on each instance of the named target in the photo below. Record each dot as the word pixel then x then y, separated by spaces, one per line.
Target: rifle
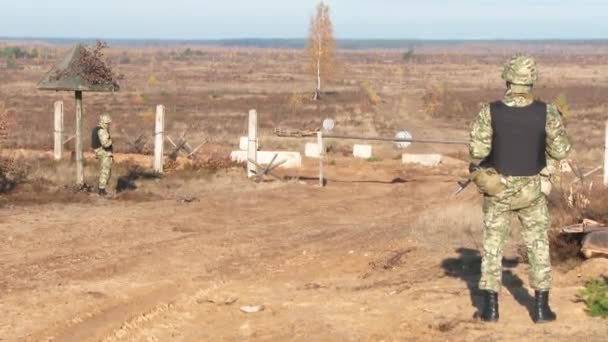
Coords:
pixel 464 184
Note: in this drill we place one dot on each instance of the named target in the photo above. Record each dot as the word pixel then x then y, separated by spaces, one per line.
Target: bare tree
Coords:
pixel 321 46
pixel 6 162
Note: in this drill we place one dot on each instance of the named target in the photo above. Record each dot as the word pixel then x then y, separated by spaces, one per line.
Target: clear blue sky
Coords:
pixel 206 19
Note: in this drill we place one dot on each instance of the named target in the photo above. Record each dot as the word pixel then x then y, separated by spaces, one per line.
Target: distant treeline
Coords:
pixel 297 43
pixel 16 52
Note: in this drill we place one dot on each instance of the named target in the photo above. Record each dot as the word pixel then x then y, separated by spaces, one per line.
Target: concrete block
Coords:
pixel 312 150
pixel 243 143
pixel 422 159
pixel 294 159
pixel 362 151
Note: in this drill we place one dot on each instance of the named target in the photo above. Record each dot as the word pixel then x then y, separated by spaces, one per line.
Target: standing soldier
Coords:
pixel 101 142
pixel 515 138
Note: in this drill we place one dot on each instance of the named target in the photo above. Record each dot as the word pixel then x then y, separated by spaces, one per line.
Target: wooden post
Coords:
pixel 79 156
pixel 252 146
pixel 58 151
pixel 606 158
pixel 159 139
pixel 321 156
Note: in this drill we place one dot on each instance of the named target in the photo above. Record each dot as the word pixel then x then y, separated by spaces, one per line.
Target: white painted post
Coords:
pixel 79 154
pixel 321 156
pixel 159 139
pixel 58 151
pixel 606 158
pixel 252 146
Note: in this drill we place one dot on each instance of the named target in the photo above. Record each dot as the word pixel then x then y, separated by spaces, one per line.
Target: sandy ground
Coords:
pixel 378 255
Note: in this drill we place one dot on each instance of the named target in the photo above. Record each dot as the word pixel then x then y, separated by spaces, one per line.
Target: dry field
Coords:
pixel 384 253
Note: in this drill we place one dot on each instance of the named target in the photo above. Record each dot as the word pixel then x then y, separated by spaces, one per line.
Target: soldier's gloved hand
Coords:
pixel 546 185
pixel 488 181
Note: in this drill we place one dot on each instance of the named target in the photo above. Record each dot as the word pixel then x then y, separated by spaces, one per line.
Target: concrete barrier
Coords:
pixel 243 143
pixel 362 151
pixel 312 150
pixel 422 159
pixel 294 159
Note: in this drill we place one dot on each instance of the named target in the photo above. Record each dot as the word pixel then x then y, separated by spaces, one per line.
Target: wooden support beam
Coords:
pixel 138 144
pixel 321 156
pixel 193 152
pixel 69 139
pixel 171 141
pixel 269 172
pixel 79 153
pixel 252 153
pixel 58 150
pixel 159 140
pixel 261 175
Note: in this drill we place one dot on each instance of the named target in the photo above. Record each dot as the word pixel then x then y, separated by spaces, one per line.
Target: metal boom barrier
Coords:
pixel 306 134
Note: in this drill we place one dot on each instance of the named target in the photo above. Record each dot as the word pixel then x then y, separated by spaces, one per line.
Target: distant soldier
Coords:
pixel 101 142
pixel 515 138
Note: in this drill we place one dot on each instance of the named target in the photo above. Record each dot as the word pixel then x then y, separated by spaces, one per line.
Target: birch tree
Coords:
pixel 321 46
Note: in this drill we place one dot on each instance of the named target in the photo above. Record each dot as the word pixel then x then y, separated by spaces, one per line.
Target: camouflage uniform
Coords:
pixel 104 153
pixel 521 195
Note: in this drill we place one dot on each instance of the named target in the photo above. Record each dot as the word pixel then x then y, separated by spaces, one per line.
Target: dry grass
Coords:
pixel 7 181
pixel 211 90
pixel 570 206
pixel 456 224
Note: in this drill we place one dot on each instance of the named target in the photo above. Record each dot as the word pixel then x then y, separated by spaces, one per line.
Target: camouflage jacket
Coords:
pixel 106 141
pixel 557 142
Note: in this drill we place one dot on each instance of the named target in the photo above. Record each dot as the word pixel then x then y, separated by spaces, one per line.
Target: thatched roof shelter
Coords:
pixel 80 70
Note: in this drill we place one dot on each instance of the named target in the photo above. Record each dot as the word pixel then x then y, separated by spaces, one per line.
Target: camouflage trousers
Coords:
pixel 522 197
pixel 105 167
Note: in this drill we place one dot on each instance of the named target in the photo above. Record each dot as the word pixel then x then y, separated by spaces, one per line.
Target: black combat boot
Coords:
pixel 542 312
pixel 102 192
pixel 489 312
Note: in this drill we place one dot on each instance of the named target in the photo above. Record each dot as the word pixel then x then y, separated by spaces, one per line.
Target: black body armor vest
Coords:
pixel 95 142
pixel 518 140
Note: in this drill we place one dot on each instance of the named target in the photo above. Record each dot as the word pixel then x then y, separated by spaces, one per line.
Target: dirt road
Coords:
pixel 392 258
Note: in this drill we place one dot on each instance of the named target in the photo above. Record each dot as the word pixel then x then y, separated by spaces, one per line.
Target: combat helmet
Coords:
pixel 105 119
pixel 521 70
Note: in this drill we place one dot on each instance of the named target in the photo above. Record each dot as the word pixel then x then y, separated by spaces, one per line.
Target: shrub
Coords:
pixel 595 297
pixel 370 96
pixel 18 53
pixel 124 59
pixel 408 55
pixel 296 101
pixel 11 63
pixel 152 81
pixel 439 102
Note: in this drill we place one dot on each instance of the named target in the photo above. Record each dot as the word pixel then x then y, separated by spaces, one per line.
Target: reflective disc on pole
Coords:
pixel 329 124
pixel 404 135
